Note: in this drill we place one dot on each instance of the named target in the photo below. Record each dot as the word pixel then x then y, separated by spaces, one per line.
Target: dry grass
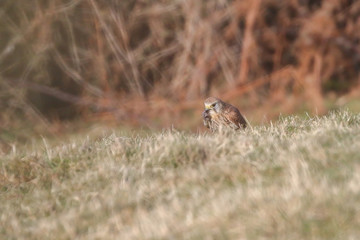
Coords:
pixel 295 179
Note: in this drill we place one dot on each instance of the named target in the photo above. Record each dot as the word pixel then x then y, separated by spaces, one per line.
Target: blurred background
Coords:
pixel 67 64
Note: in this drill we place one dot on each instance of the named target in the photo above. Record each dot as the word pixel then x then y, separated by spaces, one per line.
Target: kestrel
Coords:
pixel 218 114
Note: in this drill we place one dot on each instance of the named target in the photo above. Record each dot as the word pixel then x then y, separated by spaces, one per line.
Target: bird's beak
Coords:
pixel 207 107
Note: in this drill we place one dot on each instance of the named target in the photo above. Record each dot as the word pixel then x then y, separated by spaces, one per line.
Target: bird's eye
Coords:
pixel 213 105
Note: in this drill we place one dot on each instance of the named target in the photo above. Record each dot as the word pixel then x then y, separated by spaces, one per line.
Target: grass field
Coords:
pixel 294 179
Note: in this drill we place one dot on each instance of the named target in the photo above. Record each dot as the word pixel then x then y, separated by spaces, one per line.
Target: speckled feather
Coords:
pixel 228 115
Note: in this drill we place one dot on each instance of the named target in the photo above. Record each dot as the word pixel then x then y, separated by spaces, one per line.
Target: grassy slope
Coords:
pixel 297 179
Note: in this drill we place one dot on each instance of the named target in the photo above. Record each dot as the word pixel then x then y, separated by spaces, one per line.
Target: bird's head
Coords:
pixel 213 104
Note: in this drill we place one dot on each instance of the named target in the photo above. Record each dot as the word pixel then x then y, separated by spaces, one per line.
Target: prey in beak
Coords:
pixel 206 114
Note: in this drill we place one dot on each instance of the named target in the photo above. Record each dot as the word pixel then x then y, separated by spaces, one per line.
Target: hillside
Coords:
pixel 294 179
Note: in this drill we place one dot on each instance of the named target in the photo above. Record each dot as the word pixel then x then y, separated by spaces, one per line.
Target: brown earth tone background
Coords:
pixel 151 63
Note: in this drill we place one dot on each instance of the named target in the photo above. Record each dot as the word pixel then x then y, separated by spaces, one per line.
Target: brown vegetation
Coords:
pixel 134 59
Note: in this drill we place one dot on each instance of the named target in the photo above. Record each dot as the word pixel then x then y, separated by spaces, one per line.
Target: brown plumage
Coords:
pixel 219 114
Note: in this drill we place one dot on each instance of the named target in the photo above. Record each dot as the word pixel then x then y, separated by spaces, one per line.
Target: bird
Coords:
pixel 219 114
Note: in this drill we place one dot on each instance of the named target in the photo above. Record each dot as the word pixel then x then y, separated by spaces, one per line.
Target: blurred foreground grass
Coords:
pixel 295 179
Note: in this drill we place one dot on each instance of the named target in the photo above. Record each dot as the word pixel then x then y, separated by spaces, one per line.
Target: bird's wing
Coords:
pixel 235 117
